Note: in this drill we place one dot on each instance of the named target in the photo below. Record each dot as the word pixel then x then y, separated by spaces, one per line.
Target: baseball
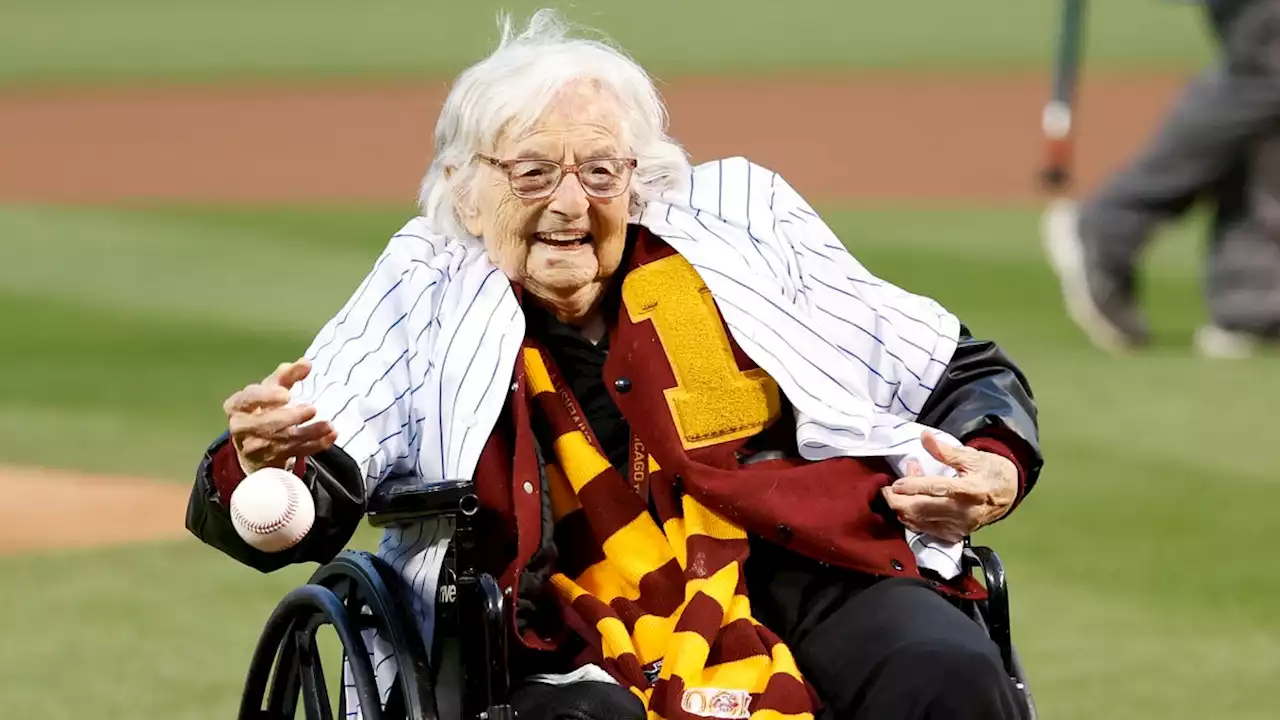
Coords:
pixel 272 510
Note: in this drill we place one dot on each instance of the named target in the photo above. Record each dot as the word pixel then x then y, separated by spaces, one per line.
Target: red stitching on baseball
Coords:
pixel 268 528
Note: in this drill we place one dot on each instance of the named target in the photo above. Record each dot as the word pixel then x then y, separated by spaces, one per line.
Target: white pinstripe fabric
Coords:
pixel 413 370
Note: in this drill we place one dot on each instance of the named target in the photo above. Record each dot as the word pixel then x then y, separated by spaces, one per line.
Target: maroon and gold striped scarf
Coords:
pixel 669 596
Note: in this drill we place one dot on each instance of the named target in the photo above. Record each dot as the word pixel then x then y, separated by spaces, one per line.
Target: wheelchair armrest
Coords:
pixel 996 613
pixel 411 498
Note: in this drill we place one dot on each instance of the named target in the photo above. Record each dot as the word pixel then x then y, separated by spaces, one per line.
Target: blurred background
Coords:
pixel 189 189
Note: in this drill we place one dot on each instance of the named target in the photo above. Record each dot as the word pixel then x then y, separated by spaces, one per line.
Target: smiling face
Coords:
pixel 562 248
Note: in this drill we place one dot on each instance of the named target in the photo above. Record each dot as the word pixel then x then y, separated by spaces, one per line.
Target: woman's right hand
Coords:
pixel 266 431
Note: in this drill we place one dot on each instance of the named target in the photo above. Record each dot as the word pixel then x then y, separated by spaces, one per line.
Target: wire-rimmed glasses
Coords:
pixel 536 179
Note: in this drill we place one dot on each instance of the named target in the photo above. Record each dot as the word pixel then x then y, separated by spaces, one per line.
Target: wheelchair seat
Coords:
pixel 356 592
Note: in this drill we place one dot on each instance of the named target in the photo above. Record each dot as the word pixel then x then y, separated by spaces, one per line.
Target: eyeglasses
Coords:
pixel 536 179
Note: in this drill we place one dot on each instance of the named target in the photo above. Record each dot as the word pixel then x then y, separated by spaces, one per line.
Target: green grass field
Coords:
pixel 1138 565
pixel 189 40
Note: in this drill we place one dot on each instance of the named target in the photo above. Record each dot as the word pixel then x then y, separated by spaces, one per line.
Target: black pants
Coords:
pixel 878 648
pixel 579 701
pixel 1217 143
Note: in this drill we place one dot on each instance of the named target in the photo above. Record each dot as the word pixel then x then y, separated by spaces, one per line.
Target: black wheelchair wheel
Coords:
pixel 352 593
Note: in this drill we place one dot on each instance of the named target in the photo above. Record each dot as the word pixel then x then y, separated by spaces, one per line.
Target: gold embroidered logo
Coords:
pixel 713 401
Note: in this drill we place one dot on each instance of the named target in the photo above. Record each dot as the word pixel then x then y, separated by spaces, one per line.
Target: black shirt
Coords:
pixel 581 363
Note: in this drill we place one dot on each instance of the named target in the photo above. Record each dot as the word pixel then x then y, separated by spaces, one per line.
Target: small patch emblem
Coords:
pixel 716 703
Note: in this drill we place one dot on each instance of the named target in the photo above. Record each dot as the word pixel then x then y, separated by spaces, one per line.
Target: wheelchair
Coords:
pixel 356 592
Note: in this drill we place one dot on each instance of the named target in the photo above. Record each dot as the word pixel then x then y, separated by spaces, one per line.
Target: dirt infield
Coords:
pixel 865 137
pixel 54 509
pixel 871 137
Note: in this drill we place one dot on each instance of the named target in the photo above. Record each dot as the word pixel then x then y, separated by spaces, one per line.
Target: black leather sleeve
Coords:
pixel 338 490
pixel 981 390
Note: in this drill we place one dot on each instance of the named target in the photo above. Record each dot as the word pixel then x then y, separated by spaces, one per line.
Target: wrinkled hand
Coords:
pixel 265 432
pixel 951 508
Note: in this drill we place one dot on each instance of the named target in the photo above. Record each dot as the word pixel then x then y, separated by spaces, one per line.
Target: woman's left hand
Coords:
pixel 951 508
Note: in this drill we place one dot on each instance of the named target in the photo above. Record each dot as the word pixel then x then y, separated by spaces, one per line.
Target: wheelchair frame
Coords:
pixel 356 592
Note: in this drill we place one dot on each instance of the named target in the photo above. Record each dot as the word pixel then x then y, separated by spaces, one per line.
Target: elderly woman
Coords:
pixel 759 457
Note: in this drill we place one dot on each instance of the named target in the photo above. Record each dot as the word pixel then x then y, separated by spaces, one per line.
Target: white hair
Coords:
pixel 510 89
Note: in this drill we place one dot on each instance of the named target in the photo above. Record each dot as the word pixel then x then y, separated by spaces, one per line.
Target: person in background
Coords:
pixel 1218 142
